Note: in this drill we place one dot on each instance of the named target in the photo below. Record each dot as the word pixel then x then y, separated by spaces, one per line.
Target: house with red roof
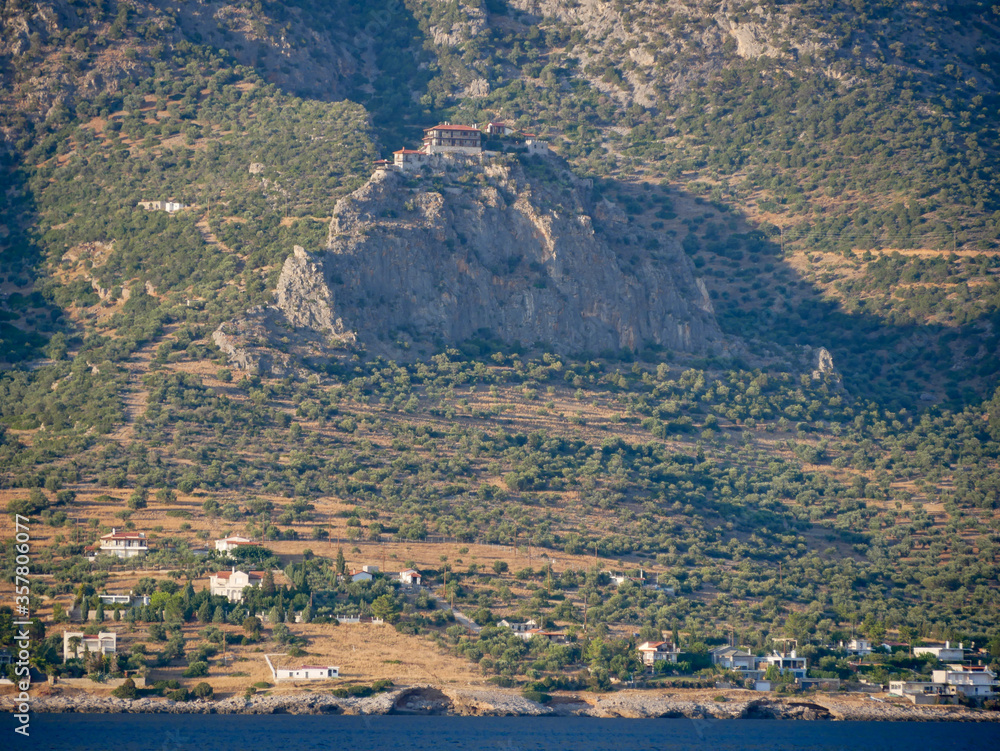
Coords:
pixel 124 544
pixel 652 652
pixel 232 542
pixel 453 139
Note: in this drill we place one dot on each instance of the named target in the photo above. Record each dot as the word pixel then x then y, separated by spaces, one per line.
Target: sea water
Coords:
pixel 126 732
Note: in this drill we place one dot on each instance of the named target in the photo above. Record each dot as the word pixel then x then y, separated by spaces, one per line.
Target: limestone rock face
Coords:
pixel 483 246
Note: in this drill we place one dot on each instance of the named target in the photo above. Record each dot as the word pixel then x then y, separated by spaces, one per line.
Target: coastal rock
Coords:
pixel 473 701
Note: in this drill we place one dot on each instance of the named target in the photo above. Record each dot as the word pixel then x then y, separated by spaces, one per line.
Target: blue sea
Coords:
pixel 110 732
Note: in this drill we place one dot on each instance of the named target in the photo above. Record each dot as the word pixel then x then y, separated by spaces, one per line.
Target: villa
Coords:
pixel 105 642
pixel 231 584
pixel 124 544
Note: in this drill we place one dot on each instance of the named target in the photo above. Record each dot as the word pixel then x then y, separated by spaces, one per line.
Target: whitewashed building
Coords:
pixel 104 642
pixel 973 681
pixel 232 542
pixel 945 686
pixel 231 584
pixel 410 576
pixel 860 647
pixel 518 628
pixel 785 662
pixel 307 673
pixel 169 206
pixel 944 652
pixel 130 600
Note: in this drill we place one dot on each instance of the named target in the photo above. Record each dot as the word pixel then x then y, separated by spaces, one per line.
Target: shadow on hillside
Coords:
pixel 897 364
pixel 27 318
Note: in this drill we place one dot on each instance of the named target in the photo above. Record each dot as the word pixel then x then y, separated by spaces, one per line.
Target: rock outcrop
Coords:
pixel 490 702
pixel 527 253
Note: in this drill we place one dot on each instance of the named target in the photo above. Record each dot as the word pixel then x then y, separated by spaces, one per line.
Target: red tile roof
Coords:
pixel 251 574
pixel 470 128
pixel 408 151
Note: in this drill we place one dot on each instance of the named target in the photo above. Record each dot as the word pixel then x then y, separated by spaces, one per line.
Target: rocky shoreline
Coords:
pixel 469 702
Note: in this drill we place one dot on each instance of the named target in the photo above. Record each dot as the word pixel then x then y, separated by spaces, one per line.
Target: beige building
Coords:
pixel 453 139
pixel 105 642
pixel 652 652
pixel 124 544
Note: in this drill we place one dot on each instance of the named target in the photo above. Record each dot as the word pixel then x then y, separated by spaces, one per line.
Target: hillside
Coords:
pixel 800 180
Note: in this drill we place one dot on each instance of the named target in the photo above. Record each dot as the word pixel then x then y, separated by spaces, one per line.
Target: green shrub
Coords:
pixel 203 691
pixel 196 670
pixel 536 696
pixel 126 691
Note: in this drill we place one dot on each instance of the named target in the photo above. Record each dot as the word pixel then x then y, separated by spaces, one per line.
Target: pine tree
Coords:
pixel 267 586
pixel 341 562
pixel 205 612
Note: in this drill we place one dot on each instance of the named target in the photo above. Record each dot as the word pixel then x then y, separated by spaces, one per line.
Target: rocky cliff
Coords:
pixel 527 252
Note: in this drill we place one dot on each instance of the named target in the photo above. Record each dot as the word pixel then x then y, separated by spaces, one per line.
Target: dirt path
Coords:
pixel 210 237
pixel 135 395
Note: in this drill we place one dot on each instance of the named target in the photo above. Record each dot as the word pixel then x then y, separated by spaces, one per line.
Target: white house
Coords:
pixel 974 681
pixel 169 206
pixel 124 544
pixel 944 652
pixel 363 574
pixel 498 128
pixel 410 576
pixel 231 584
pixel 652 652
pixel 307 673
pixel 518 627
pixel 232 542
pixel 409 159
pixel 105 642
pixel 129 600
pixel 860 647
pixel 785 663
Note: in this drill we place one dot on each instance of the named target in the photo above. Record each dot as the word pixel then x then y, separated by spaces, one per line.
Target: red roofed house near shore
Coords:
pixel 651 652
